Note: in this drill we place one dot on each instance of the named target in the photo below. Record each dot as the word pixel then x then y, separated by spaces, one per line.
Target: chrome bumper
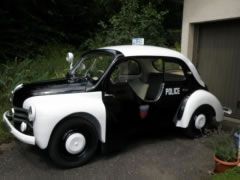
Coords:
pixel 227 110
pixel 20 136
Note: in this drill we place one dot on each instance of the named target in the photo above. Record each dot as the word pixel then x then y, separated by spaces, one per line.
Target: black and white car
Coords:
pixel 107 91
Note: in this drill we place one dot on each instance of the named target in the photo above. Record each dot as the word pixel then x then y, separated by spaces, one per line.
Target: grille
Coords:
pixel 21 115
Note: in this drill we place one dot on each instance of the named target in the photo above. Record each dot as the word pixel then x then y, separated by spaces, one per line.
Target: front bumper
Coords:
pixel 16 133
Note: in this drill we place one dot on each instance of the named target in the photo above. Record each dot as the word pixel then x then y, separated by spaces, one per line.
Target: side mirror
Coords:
pixel 69 59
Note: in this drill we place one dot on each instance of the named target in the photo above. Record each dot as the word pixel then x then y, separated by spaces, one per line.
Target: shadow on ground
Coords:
pixel 162 154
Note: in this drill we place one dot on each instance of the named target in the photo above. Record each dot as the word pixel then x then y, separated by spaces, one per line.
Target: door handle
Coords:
pixel 109 95
pixel 185 89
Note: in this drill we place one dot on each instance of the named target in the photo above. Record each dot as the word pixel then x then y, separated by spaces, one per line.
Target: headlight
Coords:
pixel 31 113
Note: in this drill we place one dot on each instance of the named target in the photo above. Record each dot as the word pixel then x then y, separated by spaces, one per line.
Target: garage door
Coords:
pixel 218 60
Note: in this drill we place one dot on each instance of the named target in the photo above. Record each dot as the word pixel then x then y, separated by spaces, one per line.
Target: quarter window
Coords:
pixel 173 72
pixel 158 65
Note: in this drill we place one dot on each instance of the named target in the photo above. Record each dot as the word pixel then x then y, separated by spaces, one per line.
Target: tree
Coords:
pixel 135 19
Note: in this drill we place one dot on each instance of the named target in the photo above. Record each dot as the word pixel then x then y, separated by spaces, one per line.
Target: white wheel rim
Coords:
pixel 200 121
pixel 75 143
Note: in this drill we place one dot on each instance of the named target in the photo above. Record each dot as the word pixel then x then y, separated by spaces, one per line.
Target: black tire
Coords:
pixel 191 131
pixel 57 151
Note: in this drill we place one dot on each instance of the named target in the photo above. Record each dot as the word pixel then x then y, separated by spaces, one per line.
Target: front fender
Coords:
pixel 51 109
pixel 195 100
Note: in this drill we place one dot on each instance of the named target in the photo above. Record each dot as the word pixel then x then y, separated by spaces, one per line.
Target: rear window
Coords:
pixel 172 70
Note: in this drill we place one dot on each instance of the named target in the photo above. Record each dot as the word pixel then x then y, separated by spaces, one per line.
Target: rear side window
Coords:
pixel 173 72
pixel 158 65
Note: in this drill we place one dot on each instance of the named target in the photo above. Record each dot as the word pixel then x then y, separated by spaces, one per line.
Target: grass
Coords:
pixel 230 174
pixel 51 64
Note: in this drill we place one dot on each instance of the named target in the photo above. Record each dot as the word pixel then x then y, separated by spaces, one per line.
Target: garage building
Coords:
pixel 211 38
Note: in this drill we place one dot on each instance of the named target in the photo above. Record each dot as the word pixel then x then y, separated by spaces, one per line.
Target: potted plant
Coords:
pixel 225 152
pixel 237 142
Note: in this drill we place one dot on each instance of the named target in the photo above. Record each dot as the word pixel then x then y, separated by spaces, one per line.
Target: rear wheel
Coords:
pixel 200 121
pixel 73 143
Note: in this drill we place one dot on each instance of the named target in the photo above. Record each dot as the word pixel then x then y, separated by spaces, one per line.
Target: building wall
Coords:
pixel 198 11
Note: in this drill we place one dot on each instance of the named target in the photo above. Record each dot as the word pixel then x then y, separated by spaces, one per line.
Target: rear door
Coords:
pixel 176 87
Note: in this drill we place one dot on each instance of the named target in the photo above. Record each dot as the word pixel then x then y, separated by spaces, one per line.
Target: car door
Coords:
pixel 121 103
pixel 175 87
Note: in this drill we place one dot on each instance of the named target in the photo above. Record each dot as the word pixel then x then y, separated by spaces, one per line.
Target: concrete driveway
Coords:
pixel 168 155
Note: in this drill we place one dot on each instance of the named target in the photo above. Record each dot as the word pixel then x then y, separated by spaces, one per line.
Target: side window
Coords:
pixel 124 71
pixel 173 72
pixel 158 65
pixel 129 67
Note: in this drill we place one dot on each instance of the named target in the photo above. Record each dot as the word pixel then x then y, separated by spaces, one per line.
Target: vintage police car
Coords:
pixel 107 91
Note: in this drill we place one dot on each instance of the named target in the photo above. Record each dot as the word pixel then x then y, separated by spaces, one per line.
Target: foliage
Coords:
pixel 224 146
pixel 50 65
pixel 133 20
pixel 233 174
pixel 29 24
pixel 177 46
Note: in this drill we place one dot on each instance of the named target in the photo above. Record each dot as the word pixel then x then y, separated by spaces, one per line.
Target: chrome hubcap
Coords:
pixel 75 143
pixel 200 121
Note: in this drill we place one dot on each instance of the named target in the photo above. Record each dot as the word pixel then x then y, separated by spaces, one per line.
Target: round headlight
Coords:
pixel 31 113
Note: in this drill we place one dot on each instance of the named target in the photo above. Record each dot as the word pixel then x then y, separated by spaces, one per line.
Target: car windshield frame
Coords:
pixel 79 62
pixel 77 65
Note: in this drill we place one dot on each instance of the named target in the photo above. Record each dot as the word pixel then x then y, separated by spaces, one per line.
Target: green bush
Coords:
pixel 226 151
pixel 224 146
pixel 50 65
pixel 133 20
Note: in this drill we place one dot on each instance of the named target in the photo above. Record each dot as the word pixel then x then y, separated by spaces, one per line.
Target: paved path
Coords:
pixel 158 157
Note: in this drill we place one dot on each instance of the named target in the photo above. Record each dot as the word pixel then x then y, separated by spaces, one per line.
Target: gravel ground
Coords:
pixel 168 155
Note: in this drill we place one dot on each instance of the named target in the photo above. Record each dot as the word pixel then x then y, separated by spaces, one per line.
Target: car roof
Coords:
pixel 145 50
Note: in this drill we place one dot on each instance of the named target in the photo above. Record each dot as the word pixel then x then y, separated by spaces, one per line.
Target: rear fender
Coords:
pixel 194 101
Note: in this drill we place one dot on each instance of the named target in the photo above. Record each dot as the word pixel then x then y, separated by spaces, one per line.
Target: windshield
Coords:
pixel 93 66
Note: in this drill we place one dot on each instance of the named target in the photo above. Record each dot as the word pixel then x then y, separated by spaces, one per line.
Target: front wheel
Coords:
pixel 73 143
pixel 200 120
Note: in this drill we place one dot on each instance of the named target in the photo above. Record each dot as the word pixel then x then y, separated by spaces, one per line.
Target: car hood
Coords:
pixel 58 86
